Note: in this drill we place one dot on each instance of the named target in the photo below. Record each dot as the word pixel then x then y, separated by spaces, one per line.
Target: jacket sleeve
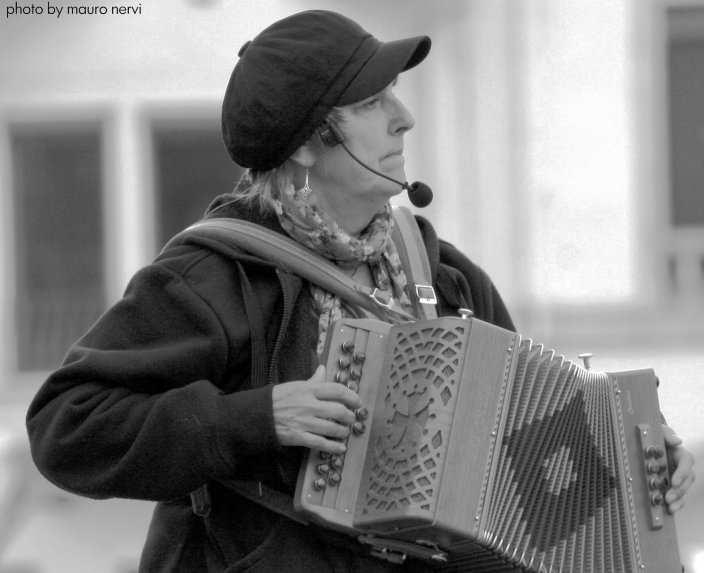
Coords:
pixel 137 410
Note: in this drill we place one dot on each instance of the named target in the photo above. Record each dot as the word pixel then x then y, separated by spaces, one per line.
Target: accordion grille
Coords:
pixel 406 461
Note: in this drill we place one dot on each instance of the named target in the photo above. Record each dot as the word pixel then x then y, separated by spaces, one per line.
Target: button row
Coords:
pixel 656 465
pixel 350 373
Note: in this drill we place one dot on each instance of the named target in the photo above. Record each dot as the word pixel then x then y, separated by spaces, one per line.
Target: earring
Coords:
pixel 306 190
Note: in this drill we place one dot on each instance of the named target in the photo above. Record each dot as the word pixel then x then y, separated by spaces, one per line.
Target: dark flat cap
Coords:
pixel 292 74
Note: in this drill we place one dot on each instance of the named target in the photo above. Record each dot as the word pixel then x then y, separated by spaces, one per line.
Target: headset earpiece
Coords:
pixel 330 133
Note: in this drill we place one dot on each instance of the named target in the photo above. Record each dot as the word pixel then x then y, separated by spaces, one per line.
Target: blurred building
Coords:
pixel 563 140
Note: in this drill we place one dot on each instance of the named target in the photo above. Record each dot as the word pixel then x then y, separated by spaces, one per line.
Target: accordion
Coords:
pixel 483 451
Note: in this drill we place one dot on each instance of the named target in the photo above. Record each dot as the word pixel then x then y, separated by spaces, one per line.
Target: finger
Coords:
pixel 306 428
pixel 675 493
pixel 683 465
pixel 322 444
pixel 682 480
pixel 675 506
pixel 328 429
pixel 337 393
pixel 671 437
pixel 683 477
pixel 680 488
pixel 336 412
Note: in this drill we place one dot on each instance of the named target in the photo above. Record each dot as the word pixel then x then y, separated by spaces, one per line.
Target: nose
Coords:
pixel 401 119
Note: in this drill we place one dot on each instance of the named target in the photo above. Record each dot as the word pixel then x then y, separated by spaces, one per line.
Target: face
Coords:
pixel 373 131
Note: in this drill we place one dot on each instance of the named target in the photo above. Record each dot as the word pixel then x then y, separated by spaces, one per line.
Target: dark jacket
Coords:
pixel 163 394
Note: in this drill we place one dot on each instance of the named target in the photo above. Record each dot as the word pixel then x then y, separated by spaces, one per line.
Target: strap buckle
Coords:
pixel 426 294
pixel 396 551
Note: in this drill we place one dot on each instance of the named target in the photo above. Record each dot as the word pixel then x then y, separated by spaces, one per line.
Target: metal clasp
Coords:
pixel 396 551
pixel 426 294
pixel 381 299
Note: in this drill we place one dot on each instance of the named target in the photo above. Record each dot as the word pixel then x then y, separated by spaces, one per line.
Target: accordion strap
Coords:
pixel 294 257
pixel 414 257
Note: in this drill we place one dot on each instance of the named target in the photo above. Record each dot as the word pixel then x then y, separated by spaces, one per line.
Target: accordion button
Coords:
pixel 334 478
pixel 657 498
pixel 654 467
pixel 361 413
pixel 353 386
pixel 325 455
pixel 323 468
pixel 656 483
pixel 358 428
pixel 355 373
pixel 359 357
pixel 347 345
pixel 654 452
pixel 344 361
pixel 337 463
pixel 341 377
pixel 320 483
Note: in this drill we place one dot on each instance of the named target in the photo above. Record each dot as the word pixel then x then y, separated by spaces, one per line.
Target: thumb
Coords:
pixel 319 374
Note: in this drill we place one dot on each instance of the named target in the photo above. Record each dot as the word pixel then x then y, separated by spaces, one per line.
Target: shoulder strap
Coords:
pixel 414 257
pixel 295 258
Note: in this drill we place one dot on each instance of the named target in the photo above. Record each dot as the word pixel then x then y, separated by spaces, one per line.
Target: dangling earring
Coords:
pixel 306 190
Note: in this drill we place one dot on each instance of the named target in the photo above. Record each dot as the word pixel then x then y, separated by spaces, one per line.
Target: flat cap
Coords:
pixel 290 76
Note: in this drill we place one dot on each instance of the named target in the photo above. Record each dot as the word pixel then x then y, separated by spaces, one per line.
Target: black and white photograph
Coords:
pixel 351 286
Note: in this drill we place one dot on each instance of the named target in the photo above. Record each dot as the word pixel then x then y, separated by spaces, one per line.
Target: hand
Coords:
pixel 682 468
pixel 314 413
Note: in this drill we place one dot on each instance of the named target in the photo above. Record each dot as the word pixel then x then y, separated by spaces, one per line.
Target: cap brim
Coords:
pixel 387 62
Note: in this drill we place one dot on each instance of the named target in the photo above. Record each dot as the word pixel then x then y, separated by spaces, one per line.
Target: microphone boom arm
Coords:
pixel 419 193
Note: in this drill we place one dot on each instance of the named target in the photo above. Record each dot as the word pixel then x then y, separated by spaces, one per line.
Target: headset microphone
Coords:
pixel 419 193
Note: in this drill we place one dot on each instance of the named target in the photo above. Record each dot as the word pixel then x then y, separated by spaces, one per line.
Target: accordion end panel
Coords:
pixel 646 470
pixel 328 486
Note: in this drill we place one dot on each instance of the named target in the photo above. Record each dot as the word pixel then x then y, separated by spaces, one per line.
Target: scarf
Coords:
pixel 306 222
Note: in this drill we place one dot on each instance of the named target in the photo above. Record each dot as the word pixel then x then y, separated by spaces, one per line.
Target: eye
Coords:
pixel 371 102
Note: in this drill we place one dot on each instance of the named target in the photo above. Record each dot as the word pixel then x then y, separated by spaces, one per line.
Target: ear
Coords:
pixel 304 156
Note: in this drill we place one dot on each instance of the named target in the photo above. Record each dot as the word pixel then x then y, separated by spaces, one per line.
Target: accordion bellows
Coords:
pixel 494 451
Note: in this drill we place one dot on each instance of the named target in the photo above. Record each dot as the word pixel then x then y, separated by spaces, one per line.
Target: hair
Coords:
pixel 258 187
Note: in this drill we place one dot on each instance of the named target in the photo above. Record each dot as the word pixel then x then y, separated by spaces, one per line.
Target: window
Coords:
pixel 59 281
pixel 192 168
pixel 686 88
pixel 686 119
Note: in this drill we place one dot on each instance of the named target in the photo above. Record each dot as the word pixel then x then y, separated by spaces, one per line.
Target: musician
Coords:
pixel 206 371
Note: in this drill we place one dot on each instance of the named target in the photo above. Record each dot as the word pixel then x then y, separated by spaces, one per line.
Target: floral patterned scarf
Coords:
pixel 306 222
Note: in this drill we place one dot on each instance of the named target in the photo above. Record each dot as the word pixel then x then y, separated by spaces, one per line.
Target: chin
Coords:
pixel 389 188
pixel 395 191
